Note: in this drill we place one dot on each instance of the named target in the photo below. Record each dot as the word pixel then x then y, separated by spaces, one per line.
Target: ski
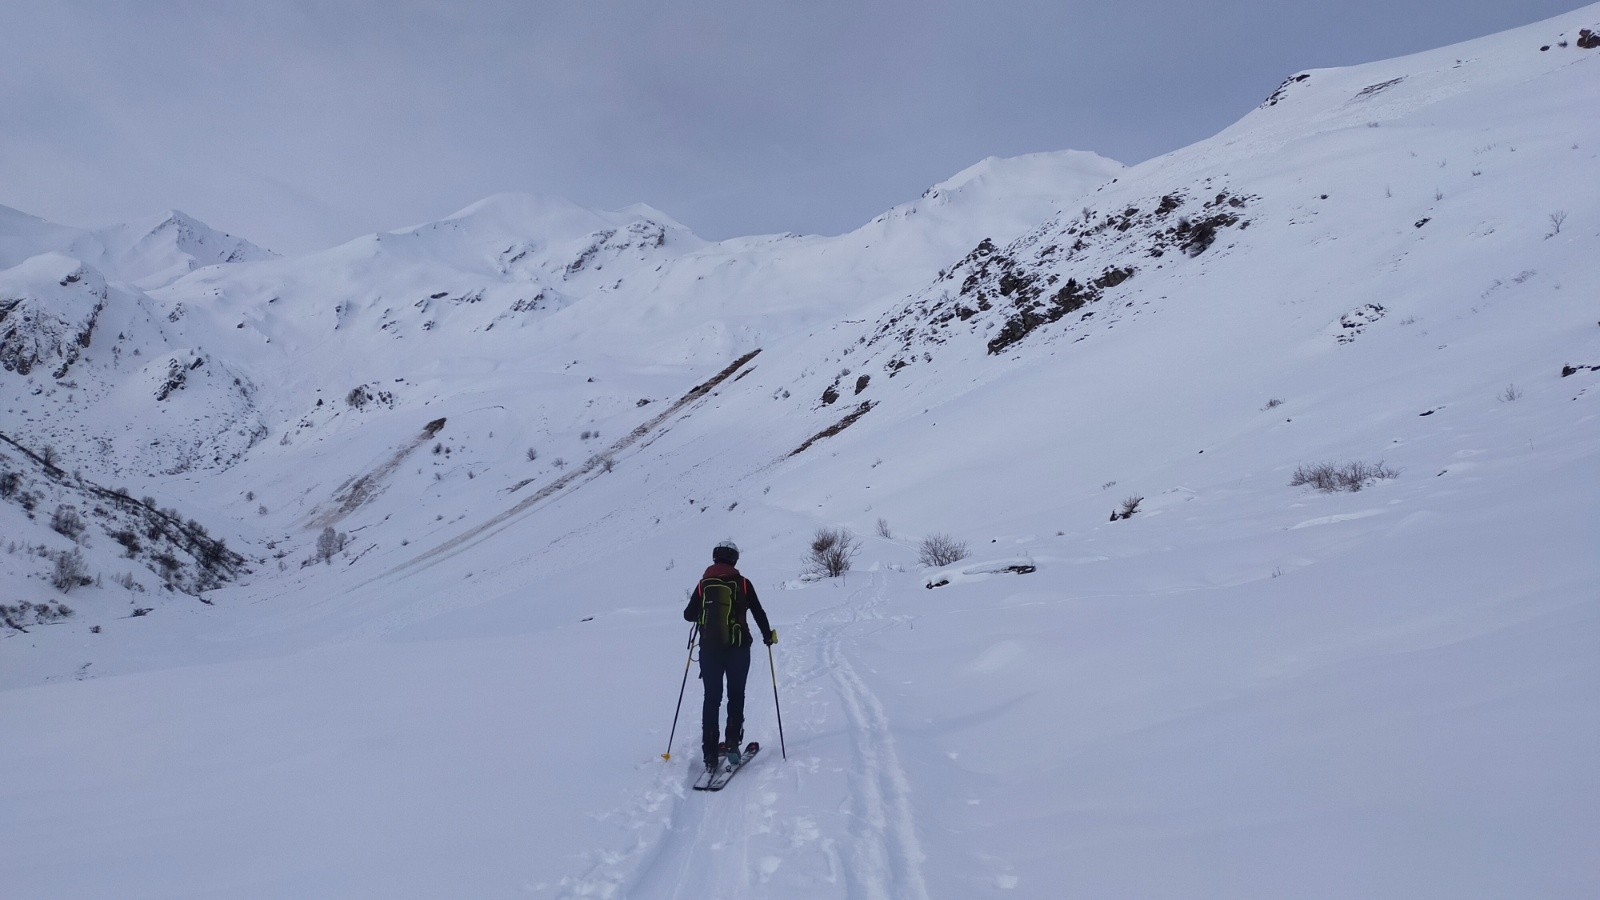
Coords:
pixel 717 780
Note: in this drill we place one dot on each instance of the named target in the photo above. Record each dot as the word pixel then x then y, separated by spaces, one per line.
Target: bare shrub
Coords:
pixel 883 528
pixel 1511 394
pixel 330 542
pixel 66 522
pixel 129 539
pixel 533 454
pixel 1130 505
pixel 832 552
pixel 941 550
pixel 1557 219
pixel 1273 403
pixel 70 572
pixel 1350 476
pixel 21 615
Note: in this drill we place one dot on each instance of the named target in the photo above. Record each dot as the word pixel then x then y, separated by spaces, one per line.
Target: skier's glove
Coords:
pixel 771 637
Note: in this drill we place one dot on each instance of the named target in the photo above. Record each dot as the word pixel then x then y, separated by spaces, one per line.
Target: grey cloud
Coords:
pixel 299 124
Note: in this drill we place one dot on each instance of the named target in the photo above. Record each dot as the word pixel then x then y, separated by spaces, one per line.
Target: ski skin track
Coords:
pixel 888 856
pixel 687 858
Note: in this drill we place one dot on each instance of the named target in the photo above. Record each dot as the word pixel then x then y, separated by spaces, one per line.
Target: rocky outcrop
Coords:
pixel 48 309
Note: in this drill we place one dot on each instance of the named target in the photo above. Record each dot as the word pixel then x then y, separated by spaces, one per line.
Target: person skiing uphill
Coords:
pixel 718 604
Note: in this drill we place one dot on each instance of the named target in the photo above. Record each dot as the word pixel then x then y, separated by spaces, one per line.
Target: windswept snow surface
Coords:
pixel 1244 689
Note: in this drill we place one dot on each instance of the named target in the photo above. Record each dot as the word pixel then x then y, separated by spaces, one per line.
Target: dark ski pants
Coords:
pixel 732 663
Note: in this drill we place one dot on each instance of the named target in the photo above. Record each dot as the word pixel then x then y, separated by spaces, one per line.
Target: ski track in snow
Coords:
pixel 887 859
pixel 731 844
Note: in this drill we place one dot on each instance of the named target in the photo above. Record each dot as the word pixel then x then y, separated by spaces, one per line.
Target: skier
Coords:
pixel 718 604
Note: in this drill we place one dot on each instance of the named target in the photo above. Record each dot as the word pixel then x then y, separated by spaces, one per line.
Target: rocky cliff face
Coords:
pixel 48 310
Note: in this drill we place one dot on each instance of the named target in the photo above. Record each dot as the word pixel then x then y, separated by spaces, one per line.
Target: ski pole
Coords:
pixel 686 663
pixel 774 670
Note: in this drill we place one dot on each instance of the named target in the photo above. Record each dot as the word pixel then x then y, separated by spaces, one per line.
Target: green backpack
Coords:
pixel 721 613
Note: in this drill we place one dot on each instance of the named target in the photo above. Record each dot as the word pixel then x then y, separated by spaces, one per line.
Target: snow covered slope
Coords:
pixel 1167 667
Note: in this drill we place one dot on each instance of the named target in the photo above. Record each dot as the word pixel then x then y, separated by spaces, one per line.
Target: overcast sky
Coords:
pixel 303 123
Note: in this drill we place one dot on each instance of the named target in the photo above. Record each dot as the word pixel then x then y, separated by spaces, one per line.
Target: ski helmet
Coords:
pixel 725 552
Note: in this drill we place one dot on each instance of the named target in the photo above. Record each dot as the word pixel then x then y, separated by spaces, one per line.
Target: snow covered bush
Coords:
pixel 129 539
pixel 23 614
pixel 832 552
pixel 941 550
pixel 1350 476
pixel 330 542
pixel 66 522
pixel 70 571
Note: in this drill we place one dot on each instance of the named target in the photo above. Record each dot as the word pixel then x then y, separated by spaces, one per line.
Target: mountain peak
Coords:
pixel 1074 164
pixel 546 216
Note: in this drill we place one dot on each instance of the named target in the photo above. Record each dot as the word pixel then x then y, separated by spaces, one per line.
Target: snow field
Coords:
pixel 1245 689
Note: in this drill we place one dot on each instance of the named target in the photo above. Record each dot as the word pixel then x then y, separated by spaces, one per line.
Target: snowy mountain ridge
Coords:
pixel 147 253
pixel 473 464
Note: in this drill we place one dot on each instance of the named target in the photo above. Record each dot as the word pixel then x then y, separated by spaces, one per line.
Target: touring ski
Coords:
pixel 718 779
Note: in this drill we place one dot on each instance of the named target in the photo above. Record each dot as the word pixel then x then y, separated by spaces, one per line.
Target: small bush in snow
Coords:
pixel 1350 476
pixel 832 552
pixel 1557 219
pixel 941 550
pixel 70 572
pixel 22 614
pixel 9 482
pixel 330 542
pixel 1511 394
pixel 1130 505
pixel 1273 403
pixel 533 454
pixel 129 539
pixel 883 528
pixel 66 522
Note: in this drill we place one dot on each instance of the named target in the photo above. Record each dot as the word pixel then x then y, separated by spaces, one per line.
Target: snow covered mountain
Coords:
pixel 1274 461
pixel 147 253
